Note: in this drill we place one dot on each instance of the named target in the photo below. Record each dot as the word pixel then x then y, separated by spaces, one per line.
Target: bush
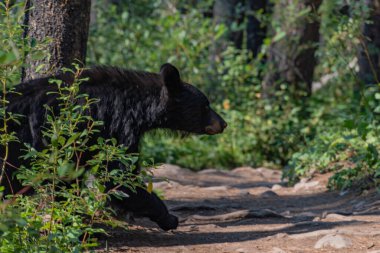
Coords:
pixel 61 213
pixel 60 216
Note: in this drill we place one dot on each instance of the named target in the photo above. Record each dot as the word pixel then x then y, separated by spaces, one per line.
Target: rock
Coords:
pixel 276 187
pixel 334 216
pixel 244 193
pixel 306 186
pixel 280 235
pixel 171 171
pixel 246 171
pixel 217 188
pixel 315 233
pixel 268 194
pixel 258 190
pixel 307 214
pixel 165 185
pixel 208 171
pixel 268 173
pixel 333 240
pixel 277 250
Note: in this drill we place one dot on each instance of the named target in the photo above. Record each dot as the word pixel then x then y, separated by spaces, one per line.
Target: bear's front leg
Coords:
pixel 148 205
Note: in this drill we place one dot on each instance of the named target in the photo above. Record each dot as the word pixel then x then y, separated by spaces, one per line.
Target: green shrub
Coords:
pixel 59 217
pixel 58 214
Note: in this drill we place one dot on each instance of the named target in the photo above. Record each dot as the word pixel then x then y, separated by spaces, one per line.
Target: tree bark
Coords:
pixel 256 31
pixel 66 23
pixel 369 55
pixel 291 59
pixel 227 12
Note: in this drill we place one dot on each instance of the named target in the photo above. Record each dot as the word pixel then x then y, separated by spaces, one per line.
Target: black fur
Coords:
pixel 130 104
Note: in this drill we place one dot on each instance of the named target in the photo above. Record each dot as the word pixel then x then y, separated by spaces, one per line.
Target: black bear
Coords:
pixel 130 104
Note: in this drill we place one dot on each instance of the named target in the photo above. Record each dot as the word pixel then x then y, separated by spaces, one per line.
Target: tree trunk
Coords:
pixel 66 23
pixel 256 31
pixel 369 56
pixel 291 57
pixel 228 12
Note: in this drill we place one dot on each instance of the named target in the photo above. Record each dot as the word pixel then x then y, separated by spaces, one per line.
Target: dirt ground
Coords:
pixel 249 210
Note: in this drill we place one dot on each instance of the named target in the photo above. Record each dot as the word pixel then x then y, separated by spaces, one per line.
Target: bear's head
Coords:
pixel 188 109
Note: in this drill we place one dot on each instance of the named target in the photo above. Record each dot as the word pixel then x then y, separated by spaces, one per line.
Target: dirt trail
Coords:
pixel 249 210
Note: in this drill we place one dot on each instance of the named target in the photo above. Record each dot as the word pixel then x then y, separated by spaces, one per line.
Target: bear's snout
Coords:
pixel 217 124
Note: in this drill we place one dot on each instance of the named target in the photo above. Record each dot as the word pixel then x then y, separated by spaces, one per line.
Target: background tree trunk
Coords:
pixel 369 56
pixel 67 24
pixel 229 13
pixel 291 59
pixel 256 31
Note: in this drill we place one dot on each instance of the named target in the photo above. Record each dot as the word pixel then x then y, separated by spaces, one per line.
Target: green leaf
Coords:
pixel 54 140
pixel 120 194
pixel 72 139
pixel 350 124
pixel 7 57
pixel 279 36
pixel 39 67
pixel 76 173
pixel 33 42
pixel 65 168
pixel 61 140
pixel 38 55
pixel 373 150
pixel 134 159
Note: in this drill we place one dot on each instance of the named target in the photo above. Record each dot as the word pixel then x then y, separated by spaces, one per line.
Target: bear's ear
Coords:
pixel 171 77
